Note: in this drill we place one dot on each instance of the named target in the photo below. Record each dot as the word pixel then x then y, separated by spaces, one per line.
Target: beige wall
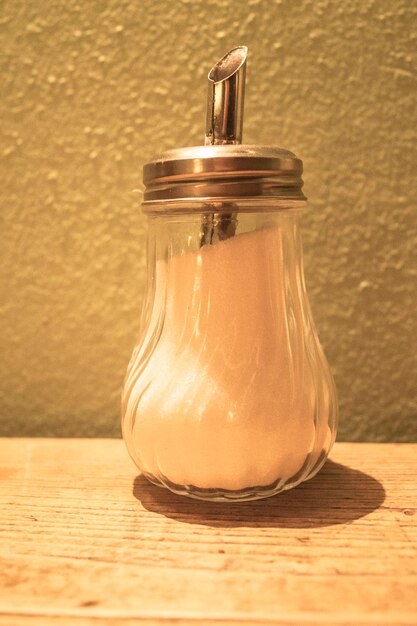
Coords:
pixel 90 90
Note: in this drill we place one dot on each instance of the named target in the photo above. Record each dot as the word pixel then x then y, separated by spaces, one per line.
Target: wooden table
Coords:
pixel 85 540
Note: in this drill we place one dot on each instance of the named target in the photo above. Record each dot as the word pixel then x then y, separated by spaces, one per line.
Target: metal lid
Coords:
pixel 223 172
pixel 223 169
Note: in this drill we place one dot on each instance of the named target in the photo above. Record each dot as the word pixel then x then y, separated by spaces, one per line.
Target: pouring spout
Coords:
pixel 226 93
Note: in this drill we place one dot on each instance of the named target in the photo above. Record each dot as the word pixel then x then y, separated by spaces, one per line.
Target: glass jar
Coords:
pixel 228 395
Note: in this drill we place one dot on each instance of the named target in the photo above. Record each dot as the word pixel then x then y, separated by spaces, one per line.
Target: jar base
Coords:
pixel 217 495
pixel 241 495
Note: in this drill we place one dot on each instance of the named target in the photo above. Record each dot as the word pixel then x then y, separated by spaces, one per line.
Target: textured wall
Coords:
pixel 90 90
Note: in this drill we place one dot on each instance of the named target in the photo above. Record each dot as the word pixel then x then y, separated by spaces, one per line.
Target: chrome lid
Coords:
pixel 223 169
pixel 223 172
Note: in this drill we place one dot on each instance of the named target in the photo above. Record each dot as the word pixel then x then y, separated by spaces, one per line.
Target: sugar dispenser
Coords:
pixel 228 395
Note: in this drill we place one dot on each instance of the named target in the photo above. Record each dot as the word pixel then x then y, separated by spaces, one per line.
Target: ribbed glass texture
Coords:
pixel 228 394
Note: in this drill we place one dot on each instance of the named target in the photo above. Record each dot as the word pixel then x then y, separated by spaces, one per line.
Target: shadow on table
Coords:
pixel 337 495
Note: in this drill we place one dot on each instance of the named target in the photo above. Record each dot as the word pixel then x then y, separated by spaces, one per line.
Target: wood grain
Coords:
pixel 85 540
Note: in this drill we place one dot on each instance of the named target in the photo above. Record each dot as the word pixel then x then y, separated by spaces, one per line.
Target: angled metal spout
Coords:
pixel 224 125
pixel 226 93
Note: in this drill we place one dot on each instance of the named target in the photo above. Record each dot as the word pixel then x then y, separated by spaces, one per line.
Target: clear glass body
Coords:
pixel 228 394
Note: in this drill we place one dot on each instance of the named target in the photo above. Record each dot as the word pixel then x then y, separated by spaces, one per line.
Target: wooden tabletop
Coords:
pixel 85 540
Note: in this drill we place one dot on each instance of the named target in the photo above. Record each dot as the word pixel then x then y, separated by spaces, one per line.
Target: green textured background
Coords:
pixel 90 90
